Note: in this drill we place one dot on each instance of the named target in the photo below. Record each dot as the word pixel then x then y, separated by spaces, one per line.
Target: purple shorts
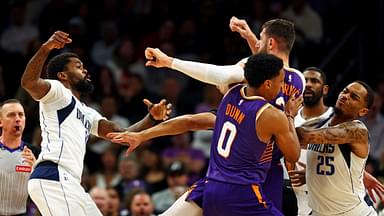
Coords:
pixel 196 192
pixel 226 199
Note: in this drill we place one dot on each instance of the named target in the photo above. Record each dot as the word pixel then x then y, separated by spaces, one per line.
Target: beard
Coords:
pixel 313 100
pixel 84 86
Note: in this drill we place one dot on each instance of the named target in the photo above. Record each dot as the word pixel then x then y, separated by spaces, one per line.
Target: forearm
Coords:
pixel 295 138
pixel 33 70
pixel 252 40
pixel 344 133
pixel 143 124
pixel 174 126
pixel 208 73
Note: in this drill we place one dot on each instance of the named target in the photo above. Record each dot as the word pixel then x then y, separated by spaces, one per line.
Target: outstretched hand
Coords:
pixel 156 58
pixel 160 111
pixel 372 184
pixel 131 139
pixel 57 41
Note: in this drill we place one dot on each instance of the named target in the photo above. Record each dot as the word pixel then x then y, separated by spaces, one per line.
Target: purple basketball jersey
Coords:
pixel 237 155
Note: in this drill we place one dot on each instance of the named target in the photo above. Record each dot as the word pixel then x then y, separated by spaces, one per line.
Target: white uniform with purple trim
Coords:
pixel 335 180
pixel 66 123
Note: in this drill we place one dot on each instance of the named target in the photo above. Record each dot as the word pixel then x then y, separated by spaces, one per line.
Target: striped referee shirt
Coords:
pixel 13 181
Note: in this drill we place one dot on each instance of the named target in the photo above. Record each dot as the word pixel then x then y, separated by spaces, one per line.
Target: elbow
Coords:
pixel 26 84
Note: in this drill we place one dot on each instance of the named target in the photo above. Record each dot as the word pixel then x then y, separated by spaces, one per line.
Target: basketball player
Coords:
pixel 314 111
pixel 242 142
pixel 16 159
pixel 66 124
pixel 277 38
pixel 235 106
pixel 336 156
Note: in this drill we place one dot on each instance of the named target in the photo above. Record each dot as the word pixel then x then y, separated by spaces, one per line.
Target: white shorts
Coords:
pixel 61 198
pixel 302 201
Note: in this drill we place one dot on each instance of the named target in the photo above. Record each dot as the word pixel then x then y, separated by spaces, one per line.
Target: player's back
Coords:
pixel 237 154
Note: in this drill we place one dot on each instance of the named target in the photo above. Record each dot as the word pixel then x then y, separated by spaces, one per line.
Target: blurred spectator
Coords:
pixel 18 34
pixel 139 203
pixel 108 176
pixel 202 141
pixel 100 197
pixel 105 84
pixel 177 179
pixel 374 121
pixel 152 171
pixel 133 92
pixel 211 99
pixel 102 50
pixel 308 23
pixel 181 150
pixel 108 108
pixel 259 14
pixel 129 171
pixel 114 203
pixel 309 32
pixel 125 59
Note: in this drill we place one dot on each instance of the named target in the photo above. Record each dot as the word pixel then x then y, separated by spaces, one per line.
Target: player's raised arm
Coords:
pixel 241 26
pixel 207 73
pixel 31 80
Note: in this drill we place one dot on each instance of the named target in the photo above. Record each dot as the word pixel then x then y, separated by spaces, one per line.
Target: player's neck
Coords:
pixel 284 57
pixel 74 92
pixel 10 141
pixel 339 118
pixel 313 111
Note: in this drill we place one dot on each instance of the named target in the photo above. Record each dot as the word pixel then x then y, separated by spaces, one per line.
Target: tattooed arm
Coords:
pixel 353 133
pixel 31 81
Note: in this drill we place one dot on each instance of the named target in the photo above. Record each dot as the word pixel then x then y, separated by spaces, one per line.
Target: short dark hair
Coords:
pixel 58 64
pixel 318 70
pixel 261 67
pixel 370 93
pixel 282 30
pixel 8 101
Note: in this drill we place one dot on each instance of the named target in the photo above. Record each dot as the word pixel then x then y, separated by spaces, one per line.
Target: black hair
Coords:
pixel 58 64
pixel 282 30
pixel 318 70
pixel 370 93
pixel 261 67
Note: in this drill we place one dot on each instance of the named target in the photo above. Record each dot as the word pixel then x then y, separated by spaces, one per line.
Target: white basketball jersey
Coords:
pixel 66 124
pixel 335 180
pixel 302 191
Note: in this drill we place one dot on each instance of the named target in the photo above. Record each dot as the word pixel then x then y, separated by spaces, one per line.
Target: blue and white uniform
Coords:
pixel 66 124
pixel 335 180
